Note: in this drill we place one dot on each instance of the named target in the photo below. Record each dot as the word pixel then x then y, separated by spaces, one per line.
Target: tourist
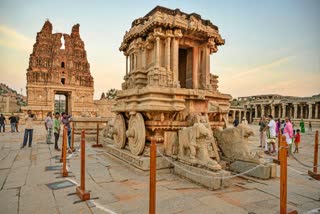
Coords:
pixel 2 123
pixel 236 122
pixel 278 125
pixel 17 123
pixel 310 127
pixel 48 123
pixel 28 132
pixel 302 129
pixel 244 121
pixel 297 141
pixel 271 135
pixel 13 121
pixel 66 119
pixel 56 130
pixel 262 125
pixel 283 124
pixel 288 132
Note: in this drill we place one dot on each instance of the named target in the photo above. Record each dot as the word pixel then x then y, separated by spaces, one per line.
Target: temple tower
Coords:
pixel 57 69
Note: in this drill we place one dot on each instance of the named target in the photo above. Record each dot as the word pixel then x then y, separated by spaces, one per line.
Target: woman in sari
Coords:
pixel 302 126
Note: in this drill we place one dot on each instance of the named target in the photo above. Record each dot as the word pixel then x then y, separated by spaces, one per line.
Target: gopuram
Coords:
pixel 169 94
pixel 54 70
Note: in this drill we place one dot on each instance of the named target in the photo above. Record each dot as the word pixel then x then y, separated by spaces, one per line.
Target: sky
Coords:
pixel 272 47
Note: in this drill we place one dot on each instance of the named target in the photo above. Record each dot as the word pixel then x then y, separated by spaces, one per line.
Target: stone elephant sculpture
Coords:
pixel 234 144
pixel 194 146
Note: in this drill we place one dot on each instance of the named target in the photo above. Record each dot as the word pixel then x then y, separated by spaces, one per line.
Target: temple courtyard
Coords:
pixel 117 187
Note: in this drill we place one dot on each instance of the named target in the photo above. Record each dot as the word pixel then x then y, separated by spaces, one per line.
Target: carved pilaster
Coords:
pixel 295 111
pixel 310 111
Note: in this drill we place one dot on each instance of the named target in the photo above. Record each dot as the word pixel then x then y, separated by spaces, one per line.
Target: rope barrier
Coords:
pixel 206 176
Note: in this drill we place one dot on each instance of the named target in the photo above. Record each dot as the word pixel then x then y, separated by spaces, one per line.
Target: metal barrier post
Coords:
pixel 315 173
pixel 152 184
pixel 64 171
pixel 81 190
pixel 97 142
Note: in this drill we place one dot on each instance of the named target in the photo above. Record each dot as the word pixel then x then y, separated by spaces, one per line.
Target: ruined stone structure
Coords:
pixel 296 108
pixel 56 70
pixel 168 89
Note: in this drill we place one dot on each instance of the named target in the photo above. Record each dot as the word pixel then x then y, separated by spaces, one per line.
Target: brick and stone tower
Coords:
pixel 57 70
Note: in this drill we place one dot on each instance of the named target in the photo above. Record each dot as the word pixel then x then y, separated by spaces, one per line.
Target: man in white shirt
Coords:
pixel 28 132
pixel 271 135
pixel 48 124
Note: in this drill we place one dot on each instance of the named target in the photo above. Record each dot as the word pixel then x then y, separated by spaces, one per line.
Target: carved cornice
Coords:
pixel 171 19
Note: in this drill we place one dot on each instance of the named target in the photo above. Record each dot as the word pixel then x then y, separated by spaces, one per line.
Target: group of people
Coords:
pixel 54 125
pixel 14 122
pixel 269 131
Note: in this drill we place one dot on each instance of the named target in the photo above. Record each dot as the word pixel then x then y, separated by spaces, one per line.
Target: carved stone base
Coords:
pixel 267 171
pixel 204 177
pixel 140 162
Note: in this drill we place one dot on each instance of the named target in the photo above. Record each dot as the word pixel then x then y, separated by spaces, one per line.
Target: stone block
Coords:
pixel 204 177
pixel 265 171
pixel 140 162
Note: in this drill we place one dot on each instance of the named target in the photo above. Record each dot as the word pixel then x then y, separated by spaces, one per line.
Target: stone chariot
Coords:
pixel 168 85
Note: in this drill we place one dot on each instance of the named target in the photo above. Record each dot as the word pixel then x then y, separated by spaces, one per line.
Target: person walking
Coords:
pixel 28 131
pixel 17 123
pixel 48 123
pixel 2 123
pixel 13 121
pixel 262 125
pixel 297 139
pixel 56 130
pixel 288 132
pixel 302 129
pixel 66 119
pixel 310 127
pixel 271 135
pixel 236 122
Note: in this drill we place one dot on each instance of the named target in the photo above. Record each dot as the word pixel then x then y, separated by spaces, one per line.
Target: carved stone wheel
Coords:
pixel 136 134
pixel 119 131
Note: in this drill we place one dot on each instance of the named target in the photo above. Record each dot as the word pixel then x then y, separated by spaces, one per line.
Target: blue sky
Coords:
pixel 271 46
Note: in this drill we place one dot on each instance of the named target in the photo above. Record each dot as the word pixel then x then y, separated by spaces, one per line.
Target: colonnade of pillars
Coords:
pixel 282 110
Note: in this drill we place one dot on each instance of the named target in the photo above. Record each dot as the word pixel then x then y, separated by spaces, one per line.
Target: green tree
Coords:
pixel 111 94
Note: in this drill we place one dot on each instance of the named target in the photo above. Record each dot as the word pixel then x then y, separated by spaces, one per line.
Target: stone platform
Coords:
pixel 140 162
pixel 267 171
pixel 204 177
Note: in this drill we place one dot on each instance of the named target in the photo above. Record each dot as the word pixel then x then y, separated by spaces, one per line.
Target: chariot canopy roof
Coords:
pixel 190 24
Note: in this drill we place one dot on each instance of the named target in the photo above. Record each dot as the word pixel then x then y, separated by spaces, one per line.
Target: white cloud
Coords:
pixel 10 38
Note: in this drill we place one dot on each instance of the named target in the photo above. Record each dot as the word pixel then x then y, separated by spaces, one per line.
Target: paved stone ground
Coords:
pixel 122 189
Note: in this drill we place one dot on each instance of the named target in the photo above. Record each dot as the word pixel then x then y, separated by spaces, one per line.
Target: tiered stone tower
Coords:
pixel 53 70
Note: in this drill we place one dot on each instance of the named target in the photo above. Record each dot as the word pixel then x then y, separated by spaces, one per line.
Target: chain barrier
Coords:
pixel 303 164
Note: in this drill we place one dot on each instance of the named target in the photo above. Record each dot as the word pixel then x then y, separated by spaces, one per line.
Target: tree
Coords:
pixel 111 94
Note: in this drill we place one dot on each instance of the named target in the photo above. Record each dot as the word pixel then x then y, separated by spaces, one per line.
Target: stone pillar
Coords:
pixel 195 68
pixel 295 111
pixel 316 111
pixel 273 111
pixel 250 114
pixel 143 58
pixel 126 65
pixel 284 110
pixel 175 61
pixel 168 57
pixel 255 111
pixel 301 111
pixel 310 111
pixel 234 115
pixel 157 52
pixel 207 74
pixel 279 111
pixel 130 67
pixel 262 110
